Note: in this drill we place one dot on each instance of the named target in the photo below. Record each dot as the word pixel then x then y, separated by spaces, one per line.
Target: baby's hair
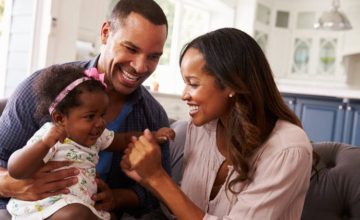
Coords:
pixel 53 80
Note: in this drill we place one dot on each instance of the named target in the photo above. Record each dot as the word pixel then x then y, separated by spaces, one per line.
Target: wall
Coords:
pixel 16 44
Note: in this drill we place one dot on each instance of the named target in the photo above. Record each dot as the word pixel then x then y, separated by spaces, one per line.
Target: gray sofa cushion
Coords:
pixel 2 105
pixel 334 191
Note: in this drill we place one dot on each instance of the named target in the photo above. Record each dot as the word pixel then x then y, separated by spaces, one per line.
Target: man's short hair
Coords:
pixel 149 9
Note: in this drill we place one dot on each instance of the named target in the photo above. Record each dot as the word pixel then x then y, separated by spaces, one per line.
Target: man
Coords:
pixel 133 40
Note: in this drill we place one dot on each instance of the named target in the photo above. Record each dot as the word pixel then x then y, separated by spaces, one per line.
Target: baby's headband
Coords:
pixel 91 73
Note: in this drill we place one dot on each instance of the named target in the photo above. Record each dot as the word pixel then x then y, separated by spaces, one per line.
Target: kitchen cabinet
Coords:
pixel 322 119
pixel 351 132
pixel 327 118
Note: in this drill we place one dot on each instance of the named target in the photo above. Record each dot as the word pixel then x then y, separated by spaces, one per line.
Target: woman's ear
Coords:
pixel 58 118
pixel 230 92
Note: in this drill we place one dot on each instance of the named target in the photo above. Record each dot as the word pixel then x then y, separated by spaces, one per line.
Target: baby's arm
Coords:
pixel 121 140
pixel 24 162
pixel 164 134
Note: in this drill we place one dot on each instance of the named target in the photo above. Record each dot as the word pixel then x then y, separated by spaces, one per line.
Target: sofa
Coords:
pixel 334 192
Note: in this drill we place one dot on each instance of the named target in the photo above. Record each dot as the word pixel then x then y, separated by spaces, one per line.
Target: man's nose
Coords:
pixel 140 64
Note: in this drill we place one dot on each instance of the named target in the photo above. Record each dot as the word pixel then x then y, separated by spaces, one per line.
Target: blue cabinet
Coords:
pixel 352 124
pixel 322 119
pixel 327 119
pixel 290 101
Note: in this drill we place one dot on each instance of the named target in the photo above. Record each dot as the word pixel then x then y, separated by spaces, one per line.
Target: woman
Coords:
pixel 245 155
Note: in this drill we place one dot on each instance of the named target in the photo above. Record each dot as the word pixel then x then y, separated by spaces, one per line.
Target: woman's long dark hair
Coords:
pixel 237 62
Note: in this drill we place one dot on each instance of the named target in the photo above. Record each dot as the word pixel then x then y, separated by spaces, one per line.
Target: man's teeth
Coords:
pixel 194 108
pixel 130 77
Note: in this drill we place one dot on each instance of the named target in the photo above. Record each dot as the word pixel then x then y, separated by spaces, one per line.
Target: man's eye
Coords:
pixel 154 57
pixel 132 50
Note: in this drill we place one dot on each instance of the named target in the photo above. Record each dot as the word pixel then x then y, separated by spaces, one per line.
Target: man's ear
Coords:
pixel 105 32
pixel 58 118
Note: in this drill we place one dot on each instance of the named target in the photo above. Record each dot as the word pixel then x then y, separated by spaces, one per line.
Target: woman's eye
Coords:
pixel 193 85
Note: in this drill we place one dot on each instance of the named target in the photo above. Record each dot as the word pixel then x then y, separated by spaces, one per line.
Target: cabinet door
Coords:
pixel 322 119
pixel 290 101
pixel 352 125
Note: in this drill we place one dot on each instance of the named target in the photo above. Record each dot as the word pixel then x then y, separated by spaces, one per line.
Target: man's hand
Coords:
pixel 48 181
pixel 110 199
pixel 105 198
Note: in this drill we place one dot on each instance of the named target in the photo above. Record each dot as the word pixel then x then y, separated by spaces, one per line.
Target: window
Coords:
pixel 305 20
pixel 263 14
pixel 327 56
pixel 261 38
pixel 301 56
pixel 282 19
pixel 1 15
pixel 187 19
pixel 169 10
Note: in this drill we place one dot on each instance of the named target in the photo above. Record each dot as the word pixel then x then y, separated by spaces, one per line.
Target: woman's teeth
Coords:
pixel 194 109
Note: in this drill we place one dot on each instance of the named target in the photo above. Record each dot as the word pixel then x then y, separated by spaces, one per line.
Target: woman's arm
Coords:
pixel 142 162
pixel 121 140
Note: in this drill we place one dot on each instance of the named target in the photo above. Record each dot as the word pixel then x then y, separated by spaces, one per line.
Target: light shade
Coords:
pixel 333 19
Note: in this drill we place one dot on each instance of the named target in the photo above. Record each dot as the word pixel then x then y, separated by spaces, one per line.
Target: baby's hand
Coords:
pixel 55 134
pixel 164 134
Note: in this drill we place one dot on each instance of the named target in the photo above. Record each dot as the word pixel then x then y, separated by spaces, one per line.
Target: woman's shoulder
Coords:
pixel 286 135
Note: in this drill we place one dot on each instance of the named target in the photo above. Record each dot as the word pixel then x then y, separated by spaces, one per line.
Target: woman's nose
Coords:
pixel 185 95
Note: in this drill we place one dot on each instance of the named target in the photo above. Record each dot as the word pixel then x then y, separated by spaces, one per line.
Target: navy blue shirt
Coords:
pixel 18 124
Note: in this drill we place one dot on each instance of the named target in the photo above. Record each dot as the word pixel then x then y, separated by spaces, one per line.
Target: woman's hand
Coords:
pixel 45 182
pixel 142 159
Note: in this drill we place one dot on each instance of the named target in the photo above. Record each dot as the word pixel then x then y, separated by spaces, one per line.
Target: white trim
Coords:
pixel 34 50
pixel 4 44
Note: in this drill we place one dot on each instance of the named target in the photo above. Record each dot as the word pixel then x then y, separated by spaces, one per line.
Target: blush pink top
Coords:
pixel 281 175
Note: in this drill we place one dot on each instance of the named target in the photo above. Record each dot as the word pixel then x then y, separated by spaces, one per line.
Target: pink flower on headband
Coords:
pixel 93 73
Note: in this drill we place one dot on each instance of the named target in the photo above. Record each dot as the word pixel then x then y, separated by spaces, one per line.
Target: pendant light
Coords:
pixel 333 19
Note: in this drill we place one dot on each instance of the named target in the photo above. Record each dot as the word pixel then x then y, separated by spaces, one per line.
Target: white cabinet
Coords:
pixel 299 53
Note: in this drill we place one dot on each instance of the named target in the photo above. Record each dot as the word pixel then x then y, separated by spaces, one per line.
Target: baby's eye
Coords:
pixel 89 117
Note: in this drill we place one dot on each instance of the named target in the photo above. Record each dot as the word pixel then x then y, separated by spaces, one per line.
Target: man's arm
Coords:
pixel 44 183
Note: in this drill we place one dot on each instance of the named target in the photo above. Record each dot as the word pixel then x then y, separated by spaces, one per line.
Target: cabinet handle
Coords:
pixel 348 108
pixel 340 107
pixel 290 102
